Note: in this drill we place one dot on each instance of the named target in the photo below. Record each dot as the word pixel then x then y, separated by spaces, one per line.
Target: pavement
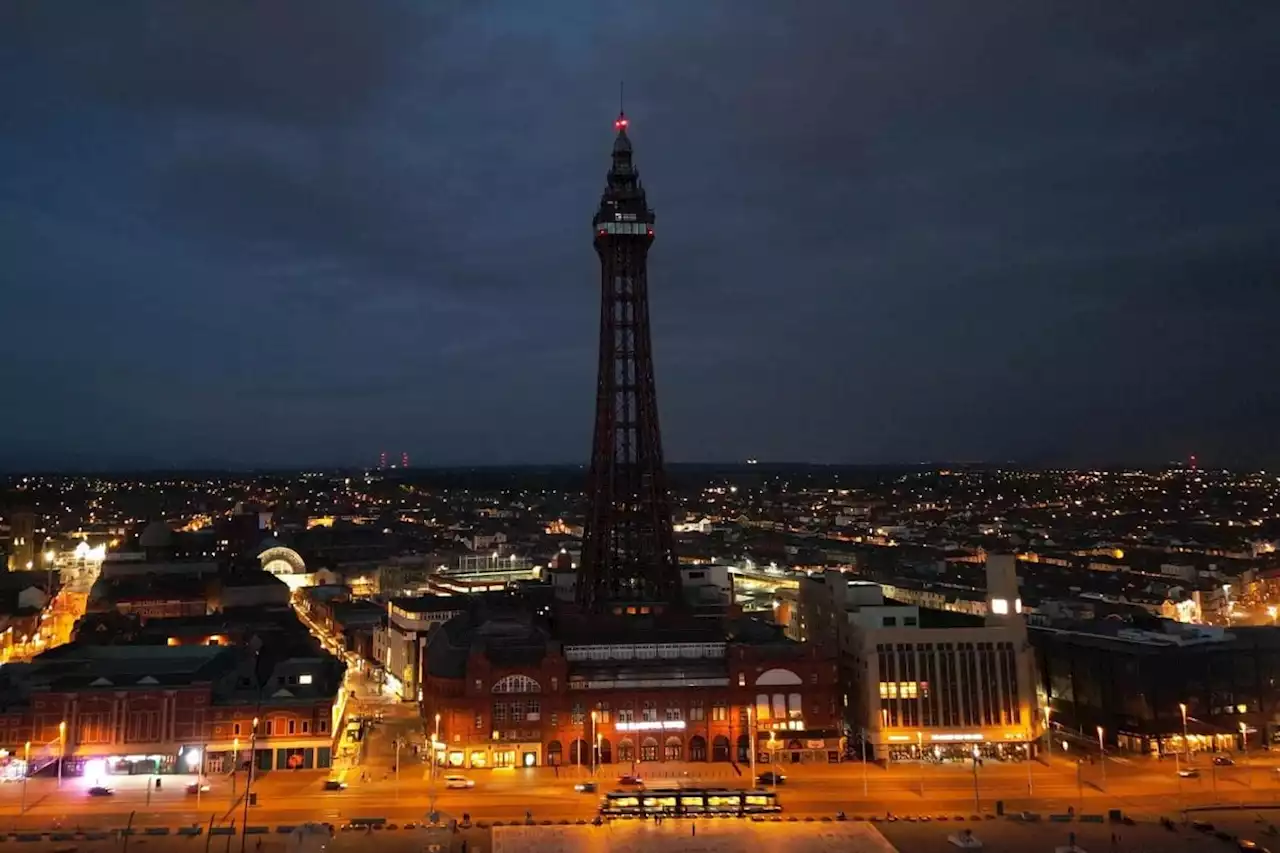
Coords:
pixel 708 836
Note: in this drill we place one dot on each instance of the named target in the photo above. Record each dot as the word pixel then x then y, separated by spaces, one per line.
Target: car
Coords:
pixel 1244 845
pixel 335 785
pixel 770 777
pixel 585 787
pixel 452 781
pixel 1224 760
pixel 630 779
pixel 197 788
pixel 100 791
pixel 1189 774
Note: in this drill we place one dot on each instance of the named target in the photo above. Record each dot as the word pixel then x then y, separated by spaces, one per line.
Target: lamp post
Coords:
pixel 773 761
pixel 595 740
pixel 1103 749
pixel 62 749
pixel 235 766
pixel 977 800
pixel 920 763
pixel 26 771
pixel 1030 789
pixel 398 768
pixel 248 782
pixel 864 762
pixel 751 740
pixel 1186 743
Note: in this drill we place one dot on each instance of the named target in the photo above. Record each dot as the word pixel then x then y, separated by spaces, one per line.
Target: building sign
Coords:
pixel 654 726
pixel 957 737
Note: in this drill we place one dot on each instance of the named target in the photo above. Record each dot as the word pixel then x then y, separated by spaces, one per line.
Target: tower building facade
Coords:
pixel 628 555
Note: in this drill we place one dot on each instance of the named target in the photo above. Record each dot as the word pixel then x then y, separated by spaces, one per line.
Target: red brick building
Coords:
pixel 509 691
pixel 129 709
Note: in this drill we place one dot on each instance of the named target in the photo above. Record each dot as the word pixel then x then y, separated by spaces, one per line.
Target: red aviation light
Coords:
pixel 620 124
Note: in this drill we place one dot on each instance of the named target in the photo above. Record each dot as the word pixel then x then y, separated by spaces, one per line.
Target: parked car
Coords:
pixel 452 781
pixel 1189 774
pixel 585 787
pixel 770 777
pixel 1224 760
pixel 100 791
pixel 335 785
pixel 198 788
pixel 630 779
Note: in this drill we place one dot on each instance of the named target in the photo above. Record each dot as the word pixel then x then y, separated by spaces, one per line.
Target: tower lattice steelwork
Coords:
pixel 628 553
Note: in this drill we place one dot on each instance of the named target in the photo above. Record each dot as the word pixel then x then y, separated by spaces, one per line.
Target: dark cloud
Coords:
pixel 303 231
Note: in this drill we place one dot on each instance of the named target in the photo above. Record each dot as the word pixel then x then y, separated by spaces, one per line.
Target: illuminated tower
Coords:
pixel 628 549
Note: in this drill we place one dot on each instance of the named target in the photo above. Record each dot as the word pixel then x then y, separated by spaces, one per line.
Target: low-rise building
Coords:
pixel 159 709
pixel 929 683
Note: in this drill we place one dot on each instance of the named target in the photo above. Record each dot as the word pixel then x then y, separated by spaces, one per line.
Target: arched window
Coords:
pixel 697 748
pixel 516 684
pixel 778 677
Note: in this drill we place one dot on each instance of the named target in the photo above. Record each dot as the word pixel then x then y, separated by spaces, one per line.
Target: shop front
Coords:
pixel 944 747
pixel 490 756
pixel 267 755
pixel 800 747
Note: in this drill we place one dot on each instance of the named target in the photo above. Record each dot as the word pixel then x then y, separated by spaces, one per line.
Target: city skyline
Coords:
pixel 887 236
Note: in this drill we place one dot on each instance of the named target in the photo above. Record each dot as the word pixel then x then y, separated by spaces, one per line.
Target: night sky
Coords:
pixel 276 233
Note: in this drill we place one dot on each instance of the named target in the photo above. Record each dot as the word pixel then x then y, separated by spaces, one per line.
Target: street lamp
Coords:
pixel 1186 743
pixel 62 749
pixel 596 767
pixel 248 781
pixel 751 740
pixel 977 800
pixel 26 771
pixel 773 761
pixel 1103 749
pixel 920 749
pixel 235 766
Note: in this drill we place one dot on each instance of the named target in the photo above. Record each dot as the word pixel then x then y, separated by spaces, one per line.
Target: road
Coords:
pixel 1137 786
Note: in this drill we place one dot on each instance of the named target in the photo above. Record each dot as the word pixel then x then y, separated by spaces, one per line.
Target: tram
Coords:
pixel 688 802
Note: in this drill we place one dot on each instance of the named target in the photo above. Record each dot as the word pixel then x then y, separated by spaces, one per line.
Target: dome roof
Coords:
pixel 156 535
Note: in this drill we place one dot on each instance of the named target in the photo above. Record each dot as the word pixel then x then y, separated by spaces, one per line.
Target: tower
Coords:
pixel 628 549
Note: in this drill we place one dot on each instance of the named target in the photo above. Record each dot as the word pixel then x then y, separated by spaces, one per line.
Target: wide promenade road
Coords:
pixel 1139 786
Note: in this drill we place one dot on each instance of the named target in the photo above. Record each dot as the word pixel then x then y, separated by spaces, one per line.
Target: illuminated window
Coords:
pixel 901 690
pixel 1000 606
pixel 304 678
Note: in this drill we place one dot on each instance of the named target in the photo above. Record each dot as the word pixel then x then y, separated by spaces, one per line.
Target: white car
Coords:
pixel 458 782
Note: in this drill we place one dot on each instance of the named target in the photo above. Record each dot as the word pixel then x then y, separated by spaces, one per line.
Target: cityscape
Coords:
pixel 451 638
